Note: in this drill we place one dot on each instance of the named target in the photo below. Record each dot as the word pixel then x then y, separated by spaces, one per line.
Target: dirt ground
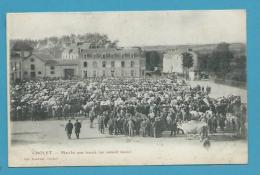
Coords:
pixel 220 90
pixel 28 137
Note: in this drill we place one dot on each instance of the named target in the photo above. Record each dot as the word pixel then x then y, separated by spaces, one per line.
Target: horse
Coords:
pixel 194 128
pixel 87 108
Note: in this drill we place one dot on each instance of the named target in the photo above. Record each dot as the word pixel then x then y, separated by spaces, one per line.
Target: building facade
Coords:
pixel 112 62
pixel 173 63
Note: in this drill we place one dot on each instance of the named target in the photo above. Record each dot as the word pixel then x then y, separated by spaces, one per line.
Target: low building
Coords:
pixel 173 63
pixel 34 65
pixel 40 65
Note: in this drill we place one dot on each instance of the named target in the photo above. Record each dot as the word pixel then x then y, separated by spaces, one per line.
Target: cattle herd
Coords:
pixel 136 106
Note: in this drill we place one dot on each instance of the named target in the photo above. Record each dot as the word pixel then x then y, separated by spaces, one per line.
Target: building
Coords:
pixel 72 51
pixel 172 63
pixel 86 60
pixel 112 62
pixel 41 65
pixel 16 64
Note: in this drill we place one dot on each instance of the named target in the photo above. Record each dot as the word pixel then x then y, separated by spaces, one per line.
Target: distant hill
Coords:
pixel 55 45
pixel 236 48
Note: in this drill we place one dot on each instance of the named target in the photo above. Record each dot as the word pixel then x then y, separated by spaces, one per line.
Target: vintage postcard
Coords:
pixel 127 88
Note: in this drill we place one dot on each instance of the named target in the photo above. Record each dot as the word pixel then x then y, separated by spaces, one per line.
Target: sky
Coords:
pixel 135 28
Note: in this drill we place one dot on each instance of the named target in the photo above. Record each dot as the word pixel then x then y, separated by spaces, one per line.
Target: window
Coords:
pixel 85 64
pixel 112 63
pixel 103 73
pixel 103 56
pixel 112 73
pixel 32 67
pixel 33 75
pixel 103 63
pixel 85 56
pixel 52 72
pixel 25 73
pixel 122 64
pixel 132 64
pixel 94 64
pixel 127 55
pixel 52 67
pixel 89 55
pixel 32 60
pixel 98 55
pixel 132 73
pixel 39 72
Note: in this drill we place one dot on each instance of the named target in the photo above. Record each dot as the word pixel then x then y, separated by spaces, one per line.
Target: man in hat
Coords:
pixel 68 129
pixel 77 126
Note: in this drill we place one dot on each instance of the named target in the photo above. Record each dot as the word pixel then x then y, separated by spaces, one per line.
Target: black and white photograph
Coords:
pixel 127 88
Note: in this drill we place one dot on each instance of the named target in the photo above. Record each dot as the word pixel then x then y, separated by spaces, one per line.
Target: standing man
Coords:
pixel 101 125
pixel 77 126
pixel 91 117
pixel 144 127
pixel 68 129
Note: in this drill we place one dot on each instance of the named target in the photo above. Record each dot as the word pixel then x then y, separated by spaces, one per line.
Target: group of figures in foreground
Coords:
pixel 130 106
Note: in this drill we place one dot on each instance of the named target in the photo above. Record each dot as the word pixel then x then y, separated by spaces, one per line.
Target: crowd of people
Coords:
pixel 136 106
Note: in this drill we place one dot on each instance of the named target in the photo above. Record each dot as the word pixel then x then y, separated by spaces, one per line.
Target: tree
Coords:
pixel 152 60
pixel 203 61
pixel 219 62
pixel 239 68
pixel 187 62
pixel 23 45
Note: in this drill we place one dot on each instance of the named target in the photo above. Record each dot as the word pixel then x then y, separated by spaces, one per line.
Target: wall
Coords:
pixel 39 67
pixel 118 70
pixel 172 62
pixel 59 70
pixel 15 69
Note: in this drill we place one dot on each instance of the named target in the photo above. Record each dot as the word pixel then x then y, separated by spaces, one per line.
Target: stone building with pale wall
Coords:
pixel 172 63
